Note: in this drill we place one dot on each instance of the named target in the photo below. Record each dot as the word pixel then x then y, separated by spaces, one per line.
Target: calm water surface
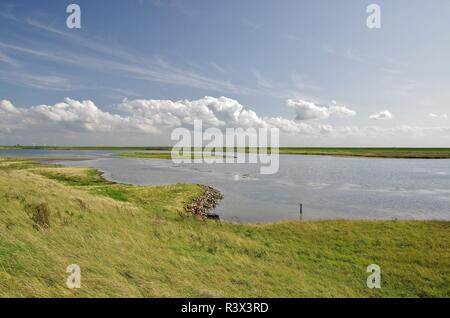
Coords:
pixel 328 187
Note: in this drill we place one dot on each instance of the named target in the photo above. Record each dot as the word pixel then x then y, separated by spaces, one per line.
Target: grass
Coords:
pixel 130 242
pixel 72 176
pixel 413 153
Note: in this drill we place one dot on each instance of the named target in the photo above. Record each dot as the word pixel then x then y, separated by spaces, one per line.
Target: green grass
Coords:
pixel 131 241
pixel 74 177
pixel 418 153
pixel 17 164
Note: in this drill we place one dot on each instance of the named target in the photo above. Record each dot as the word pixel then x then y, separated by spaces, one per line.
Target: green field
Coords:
pixel 419 153
pixel 414 153
pixel 131 241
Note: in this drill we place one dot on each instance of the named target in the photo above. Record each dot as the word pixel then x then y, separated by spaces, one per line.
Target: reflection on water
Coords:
pixel 328 187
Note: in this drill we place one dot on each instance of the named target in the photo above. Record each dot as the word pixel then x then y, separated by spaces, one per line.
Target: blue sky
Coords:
pixel 391 83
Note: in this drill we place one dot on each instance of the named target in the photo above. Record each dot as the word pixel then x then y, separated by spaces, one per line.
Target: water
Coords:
pixel 328 187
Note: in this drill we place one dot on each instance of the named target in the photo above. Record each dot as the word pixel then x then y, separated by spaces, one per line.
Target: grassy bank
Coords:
pixel 414 153
pixel 131 241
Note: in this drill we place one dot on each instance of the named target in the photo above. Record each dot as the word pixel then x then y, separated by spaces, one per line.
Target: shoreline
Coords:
pixel 147 155
pixel 362 152
pixel 205 203
pixel 212 197
pixel 209 200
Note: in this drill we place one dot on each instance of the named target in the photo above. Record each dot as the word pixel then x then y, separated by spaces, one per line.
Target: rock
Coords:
pixel 206 202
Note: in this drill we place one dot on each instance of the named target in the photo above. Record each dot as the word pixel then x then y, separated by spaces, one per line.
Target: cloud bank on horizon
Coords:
pixel 148 117
pixel 139 120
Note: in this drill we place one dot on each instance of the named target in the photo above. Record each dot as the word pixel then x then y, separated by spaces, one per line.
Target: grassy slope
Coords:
pixel 129 241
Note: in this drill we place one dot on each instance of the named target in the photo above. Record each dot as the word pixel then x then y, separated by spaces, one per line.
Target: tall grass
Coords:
pixel 130 241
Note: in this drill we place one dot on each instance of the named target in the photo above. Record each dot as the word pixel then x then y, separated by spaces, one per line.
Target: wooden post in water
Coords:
pixel 301 211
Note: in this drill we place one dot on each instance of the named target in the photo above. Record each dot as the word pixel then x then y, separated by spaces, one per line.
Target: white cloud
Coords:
pixel 219 112
pixel 288 126
pixel 142 117
pixel 7 107
pixel 147 121
pixel 437 116
pixel 305 110
pixel 70 115
pixel 385 114
pixel 340 111
pixel 47 82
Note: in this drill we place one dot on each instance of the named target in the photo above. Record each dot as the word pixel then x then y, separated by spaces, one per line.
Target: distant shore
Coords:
pixel 406 153
pixel 55 158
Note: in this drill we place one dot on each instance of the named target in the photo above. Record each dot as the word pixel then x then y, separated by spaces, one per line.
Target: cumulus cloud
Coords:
pixel 147 121
pixel 385 114
pixel 68 115
pixel 437 116
pixel 219 112
pixel 7 107
pixel 306 110
pixel 143 116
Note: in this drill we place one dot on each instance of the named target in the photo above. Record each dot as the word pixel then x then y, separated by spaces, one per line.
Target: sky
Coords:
pixel 136 70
